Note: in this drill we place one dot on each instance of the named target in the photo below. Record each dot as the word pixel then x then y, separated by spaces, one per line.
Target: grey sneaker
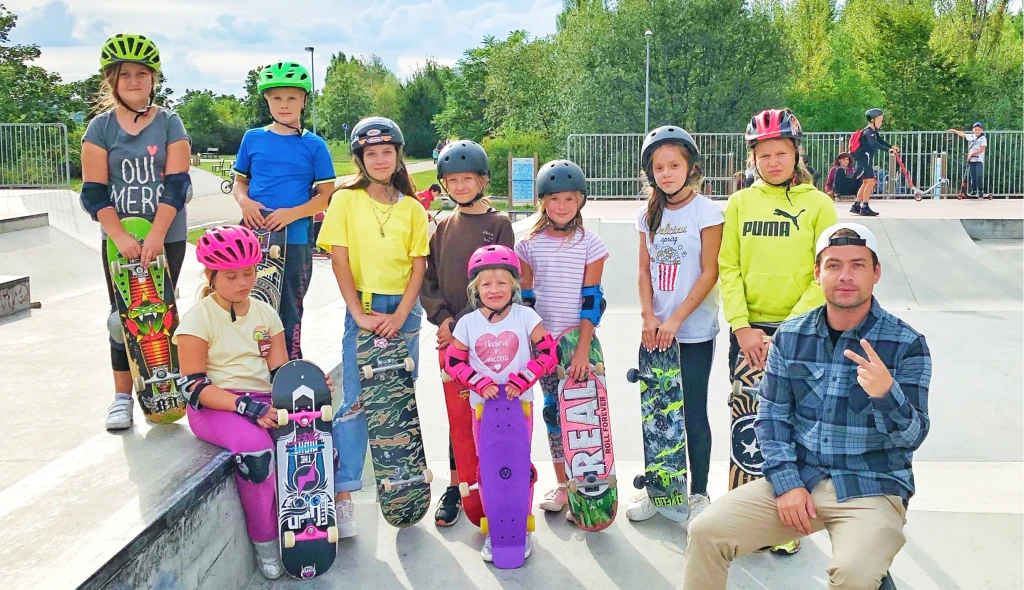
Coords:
pixel 269 559
pixel 697 504
pixel 346 519
pixel 119 414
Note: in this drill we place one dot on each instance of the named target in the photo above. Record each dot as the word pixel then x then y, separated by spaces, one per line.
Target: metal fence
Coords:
pixel 612 161
pixel 34 155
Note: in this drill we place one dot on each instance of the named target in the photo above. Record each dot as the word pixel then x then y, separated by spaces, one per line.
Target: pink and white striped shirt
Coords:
pixel 559 266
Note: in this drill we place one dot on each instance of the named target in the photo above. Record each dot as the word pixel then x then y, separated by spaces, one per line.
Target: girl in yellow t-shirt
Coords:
pixel 229 345
pixel 376 232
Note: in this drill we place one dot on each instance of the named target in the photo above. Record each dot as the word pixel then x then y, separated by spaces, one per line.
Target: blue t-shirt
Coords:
pixel 282 170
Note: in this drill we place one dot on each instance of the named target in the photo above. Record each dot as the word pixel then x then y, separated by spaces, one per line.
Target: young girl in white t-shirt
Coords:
pixel 562 268
pixel 493 345
pixel 680 235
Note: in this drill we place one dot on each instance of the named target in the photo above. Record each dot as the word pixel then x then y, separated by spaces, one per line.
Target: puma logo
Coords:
pixel 793 218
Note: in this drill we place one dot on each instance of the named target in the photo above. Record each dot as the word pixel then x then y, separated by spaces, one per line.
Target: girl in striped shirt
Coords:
pixel 562 265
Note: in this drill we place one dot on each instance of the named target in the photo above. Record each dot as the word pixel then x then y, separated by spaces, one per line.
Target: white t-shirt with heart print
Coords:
pixel 498 349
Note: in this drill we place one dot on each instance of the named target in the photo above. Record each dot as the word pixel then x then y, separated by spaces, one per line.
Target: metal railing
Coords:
pixel 34 155
pixel 612 161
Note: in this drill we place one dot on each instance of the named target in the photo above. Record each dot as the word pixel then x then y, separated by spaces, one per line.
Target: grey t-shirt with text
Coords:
pixel 135 165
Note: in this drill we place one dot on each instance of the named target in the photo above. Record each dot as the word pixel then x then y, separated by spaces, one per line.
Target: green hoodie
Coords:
pixel 766 264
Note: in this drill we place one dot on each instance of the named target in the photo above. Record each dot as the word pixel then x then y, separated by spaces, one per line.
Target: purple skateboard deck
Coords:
pixel 505 478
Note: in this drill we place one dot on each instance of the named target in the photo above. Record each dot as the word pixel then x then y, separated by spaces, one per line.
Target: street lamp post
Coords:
pixel 312 79
pixel 647 85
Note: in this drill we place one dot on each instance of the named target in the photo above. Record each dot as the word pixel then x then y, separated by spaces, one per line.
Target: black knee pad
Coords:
pixel 255 467
pixel 119 357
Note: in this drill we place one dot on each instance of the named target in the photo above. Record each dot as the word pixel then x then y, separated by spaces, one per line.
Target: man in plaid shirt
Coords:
pixel 843 407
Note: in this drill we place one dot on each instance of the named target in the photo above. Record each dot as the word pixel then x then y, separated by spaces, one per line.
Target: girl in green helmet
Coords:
pixel 135 160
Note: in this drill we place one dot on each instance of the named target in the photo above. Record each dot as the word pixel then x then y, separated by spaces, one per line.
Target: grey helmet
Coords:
pixel 872 113
pixel 561 176
pixel 375 130
pixel 678 136
pixel 463 156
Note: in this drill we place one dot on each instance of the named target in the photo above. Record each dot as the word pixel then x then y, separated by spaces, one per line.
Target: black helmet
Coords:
pixel 463 156
pixel 375 130
pixel 872 113
pixel 559 176
pixel 668 134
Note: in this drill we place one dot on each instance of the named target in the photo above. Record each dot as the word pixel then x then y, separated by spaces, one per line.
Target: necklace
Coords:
pixel 387 213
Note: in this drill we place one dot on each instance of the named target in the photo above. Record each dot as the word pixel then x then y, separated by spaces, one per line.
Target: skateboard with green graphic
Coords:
pixel 144 296
pixel 585 424
pixel 664 430
pixel 387 393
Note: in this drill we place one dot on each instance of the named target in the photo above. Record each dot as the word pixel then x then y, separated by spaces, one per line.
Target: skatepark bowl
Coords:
pixel 154 507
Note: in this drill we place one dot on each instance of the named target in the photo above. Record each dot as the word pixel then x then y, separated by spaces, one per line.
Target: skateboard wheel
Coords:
pixel 282 417
pixel 632 375
pixel 464 489
pixel 332 534
pixel 139 383
pixel 445 378
pixel 531 524
pixel 571 486
pixel 289 539
pixel 638 482
pixel 599 369
pixel 480 412
pixel 367 371
pixel 612 481
pixel 410 365
pixel 560 371
pixel 484 529
pixel 386 484
pixel 428 476
pixel 160 262
pixel 275 252
pixel 527 411
pixel 115 267
pixel 326 413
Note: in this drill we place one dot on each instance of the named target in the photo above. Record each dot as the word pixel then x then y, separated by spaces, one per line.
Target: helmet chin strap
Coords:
pixel 471 202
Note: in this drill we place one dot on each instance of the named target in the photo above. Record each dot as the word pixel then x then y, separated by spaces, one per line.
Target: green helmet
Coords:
pixel 284 74
pixel 130 48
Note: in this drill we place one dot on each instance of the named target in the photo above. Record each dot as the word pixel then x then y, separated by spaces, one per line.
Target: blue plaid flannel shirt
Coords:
pixel 816 421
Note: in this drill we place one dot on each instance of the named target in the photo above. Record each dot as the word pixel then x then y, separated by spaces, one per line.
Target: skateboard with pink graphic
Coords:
pixel 506 476
pixel 304 450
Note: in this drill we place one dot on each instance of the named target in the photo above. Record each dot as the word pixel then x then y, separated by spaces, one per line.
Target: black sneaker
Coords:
pixel 867 212
pixel 449 507
pixel 855 208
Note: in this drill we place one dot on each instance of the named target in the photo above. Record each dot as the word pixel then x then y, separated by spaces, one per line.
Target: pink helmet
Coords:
pixel 494 257
pixel 228 247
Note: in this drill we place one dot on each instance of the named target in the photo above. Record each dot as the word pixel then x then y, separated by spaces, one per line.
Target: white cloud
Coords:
pixel 407 64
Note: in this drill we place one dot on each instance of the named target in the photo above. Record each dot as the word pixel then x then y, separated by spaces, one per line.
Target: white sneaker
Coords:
pixel 697 504
pixel 485 551
pixel 529 545
pixel 640 508
pixel 346 519
pixel 119 414
pixel 555 499
pixel 269 559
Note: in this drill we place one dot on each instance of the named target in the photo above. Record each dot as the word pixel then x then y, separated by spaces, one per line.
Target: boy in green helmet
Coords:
pixel 287 170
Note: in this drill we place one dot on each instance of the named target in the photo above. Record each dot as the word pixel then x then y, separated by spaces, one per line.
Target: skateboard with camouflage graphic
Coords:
pixel 388 395
pixel 304 449
pixel 144 297
pixel 664 430
pixel 586 429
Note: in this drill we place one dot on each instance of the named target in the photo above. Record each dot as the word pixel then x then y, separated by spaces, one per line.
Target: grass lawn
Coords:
pixel 343 166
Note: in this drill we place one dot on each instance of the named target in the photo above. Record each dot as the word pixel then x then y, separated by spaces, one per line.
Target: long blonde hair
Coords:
pixel 545 222
pixel 107 98
pixel 473 290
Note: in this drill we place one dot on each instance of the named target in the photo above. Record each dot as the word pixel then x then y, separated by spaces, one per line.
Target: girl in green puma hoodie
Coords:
pixel 766 263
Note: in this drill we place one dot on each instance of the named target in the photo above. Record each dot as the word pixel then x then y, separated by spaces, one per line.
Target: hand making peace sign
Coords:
pixel 872 373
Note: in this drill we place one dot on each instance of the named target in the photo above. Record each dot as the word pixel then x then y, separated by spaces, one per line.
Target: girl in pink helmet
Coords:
pixel 229 346
pixel 492 345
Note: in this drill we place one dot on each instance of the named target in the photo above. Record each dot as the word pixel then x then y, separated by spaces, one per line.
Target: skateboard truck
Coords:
pixel 369 371
pixel 306 417
pixel 159 376
pixel 310 533
pixel 388 485
pixel 137 269
pixel 590 482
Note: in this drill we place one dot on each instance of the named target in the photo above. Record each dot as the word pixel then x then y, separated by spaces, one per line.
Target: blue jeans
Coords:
pixel 298 269
pixel 349 427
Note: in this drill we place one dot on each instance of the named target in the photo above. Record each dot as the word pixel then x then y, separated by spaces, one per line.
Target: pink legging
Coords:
pixel 529 437
pixel 230 431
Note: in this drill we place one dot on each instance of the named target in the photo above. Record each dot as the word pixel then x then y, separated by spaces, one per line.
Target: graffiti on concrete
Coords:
pixel 14 298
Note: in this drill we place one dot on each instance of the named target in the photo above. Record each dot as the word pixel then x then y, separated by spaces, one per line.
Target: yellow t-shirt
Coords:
pixel 236 358
pixel 380 264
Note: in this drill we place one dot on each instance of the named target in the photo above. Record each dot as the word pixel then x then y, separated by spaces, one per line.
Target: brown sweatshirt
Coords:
pixel 443 294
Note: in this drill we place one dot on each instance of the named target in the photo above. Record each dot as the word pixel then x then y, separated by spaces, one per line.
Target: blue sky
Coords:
pixel 214 43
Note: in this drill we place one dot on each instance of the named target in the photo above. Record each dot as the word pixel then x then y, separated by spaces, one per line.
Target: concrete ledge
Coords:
pixel 15 295
pixel 994 229
pixel 20 221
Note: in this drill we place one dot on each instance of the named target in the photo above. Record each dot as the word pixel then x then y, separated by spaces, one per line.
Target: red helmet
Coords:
pixel 228 247
pixel 494 257
pixel 773 124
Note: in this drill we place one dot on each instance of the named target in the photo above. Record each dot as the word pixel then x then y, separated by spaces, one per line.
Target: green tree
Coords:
pixel 213 121
pixel 423 97
pixel 463 114
pixel 257 113
pixel 346 97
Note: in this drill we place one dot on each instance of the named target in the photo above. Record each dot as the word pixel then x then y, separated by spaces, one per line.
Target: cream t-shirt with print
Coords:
pixel 237 356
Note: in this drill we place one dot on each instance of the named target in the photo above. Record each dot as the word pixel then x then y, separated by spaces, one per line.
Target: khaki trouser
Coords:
pixel 866 534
